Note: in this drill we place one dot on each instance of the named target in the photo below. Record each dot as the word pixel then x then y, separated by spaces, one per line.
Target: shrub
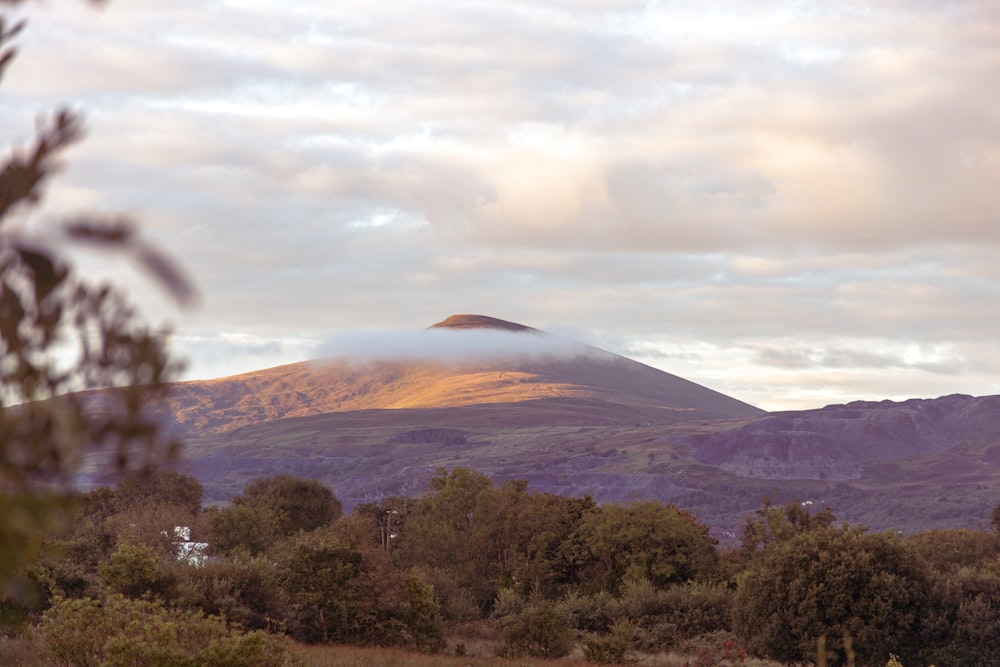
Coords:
pixel 697 609
pixel 835 582
pixel 134 570
pixel 120 632
pixel 591 613
pixel 240 588
pixel 421 616
pixel 612 647
pixel 541 629
pixel 457 603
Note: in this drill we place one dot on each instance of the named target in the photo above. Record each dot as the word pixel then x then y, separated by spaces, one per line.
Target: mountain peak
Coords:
pixel 467 321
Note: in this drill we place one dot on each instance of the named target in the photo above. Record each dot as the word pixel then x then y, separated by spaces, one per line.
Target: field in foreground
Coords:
pixel 352 656
pixel 23 652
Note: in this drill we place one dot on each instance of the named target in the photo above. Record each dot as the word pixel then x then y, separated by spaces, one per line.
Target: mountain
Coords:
pixel 514 402
pixel 465 360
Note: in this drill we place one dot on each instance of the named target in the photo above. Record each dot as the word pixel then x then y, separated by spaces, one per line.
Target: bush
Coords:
pixel 697 609
pixel 963 624
pixel 240 588
pixel 457 603
pixel 421 616
pixel 612 647
pixel 591 613
pixel 134 570
pixel 835 583
pixel 541 628
pixel 119 632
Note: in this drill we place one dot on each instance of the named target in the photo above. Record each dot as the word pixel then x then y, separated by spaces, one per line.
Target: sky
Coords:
pixel 794 203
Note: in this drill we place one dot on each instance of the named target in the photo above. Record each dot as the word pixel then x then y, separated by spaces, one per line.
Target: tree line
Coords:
pixel 539 572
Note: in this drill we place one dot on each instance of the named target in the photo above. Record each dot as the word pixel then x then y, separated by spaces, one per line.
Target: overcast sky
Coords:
pixel 794 203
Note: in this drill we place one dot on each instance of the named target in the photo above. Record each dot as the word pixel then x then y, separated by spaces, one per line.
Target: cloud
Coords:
pixel 450 345
pixel 706 178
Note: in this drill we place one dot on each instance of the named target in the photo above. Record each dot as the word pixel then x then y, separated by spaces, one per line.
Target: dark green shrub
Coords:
pixel 838 583
pixel 335 592
pixel 457 603
pixel 963 624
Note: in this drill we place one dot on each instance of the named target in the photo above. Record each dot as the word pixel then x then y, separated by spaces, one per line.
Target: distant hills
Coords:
pixel 514 402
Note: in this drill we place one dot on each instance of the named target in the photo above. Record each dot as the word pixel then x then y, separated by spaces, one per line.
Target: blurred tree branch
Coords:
pixel 61 335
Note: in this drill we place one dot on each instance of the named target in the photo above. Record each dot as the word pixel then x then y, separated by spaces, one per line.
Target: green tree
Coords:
pixel 271 508
pixel 487 537
pixel 135 570
pixel 838 584
pixel 444 530
pixel 59 335
pixel 522 533
pixel 159 486
pixel 645 540
pixel 777 523
pixel 300 504
pixel 335 592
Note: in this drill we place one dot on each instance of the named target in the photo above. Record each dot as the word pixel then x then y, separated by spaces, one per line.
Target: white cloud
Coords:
pixel 722 175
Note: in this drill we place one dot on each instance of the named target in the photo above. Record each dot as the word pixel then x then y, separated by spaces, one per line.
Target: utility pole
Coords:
pixel 387 533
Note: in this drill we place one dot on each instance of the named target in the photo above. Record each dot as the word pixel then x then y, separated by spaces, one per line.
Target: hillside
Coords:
pixel 842 442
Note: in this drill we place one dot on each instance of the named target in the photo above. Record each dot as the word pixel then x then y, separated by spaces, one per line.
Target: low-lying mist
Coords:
pixel 452 345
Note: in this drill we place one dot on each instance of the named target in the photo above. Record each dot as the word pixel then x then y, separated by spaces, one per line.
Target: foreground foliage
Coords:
pixel 61 334
pixel 119 632
pixel 544 577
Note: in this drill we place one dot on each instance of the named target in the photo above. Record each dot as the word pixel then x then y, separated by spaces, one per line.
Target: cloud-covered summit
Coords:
pixel 459 339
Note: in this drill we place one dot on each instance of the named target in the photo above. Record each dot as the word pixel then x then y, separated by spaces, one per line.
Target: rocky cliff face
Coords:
pixel 839 441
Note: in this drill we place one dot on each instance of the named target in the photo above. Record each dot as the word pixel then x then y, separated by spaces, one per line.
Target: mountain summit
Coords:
pixel 479 322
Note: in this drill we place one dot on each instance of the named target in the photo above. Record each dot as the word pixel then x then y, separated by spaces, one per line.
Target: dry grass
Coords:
pixel 26 651
pixel 23 651
pixel 352 656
